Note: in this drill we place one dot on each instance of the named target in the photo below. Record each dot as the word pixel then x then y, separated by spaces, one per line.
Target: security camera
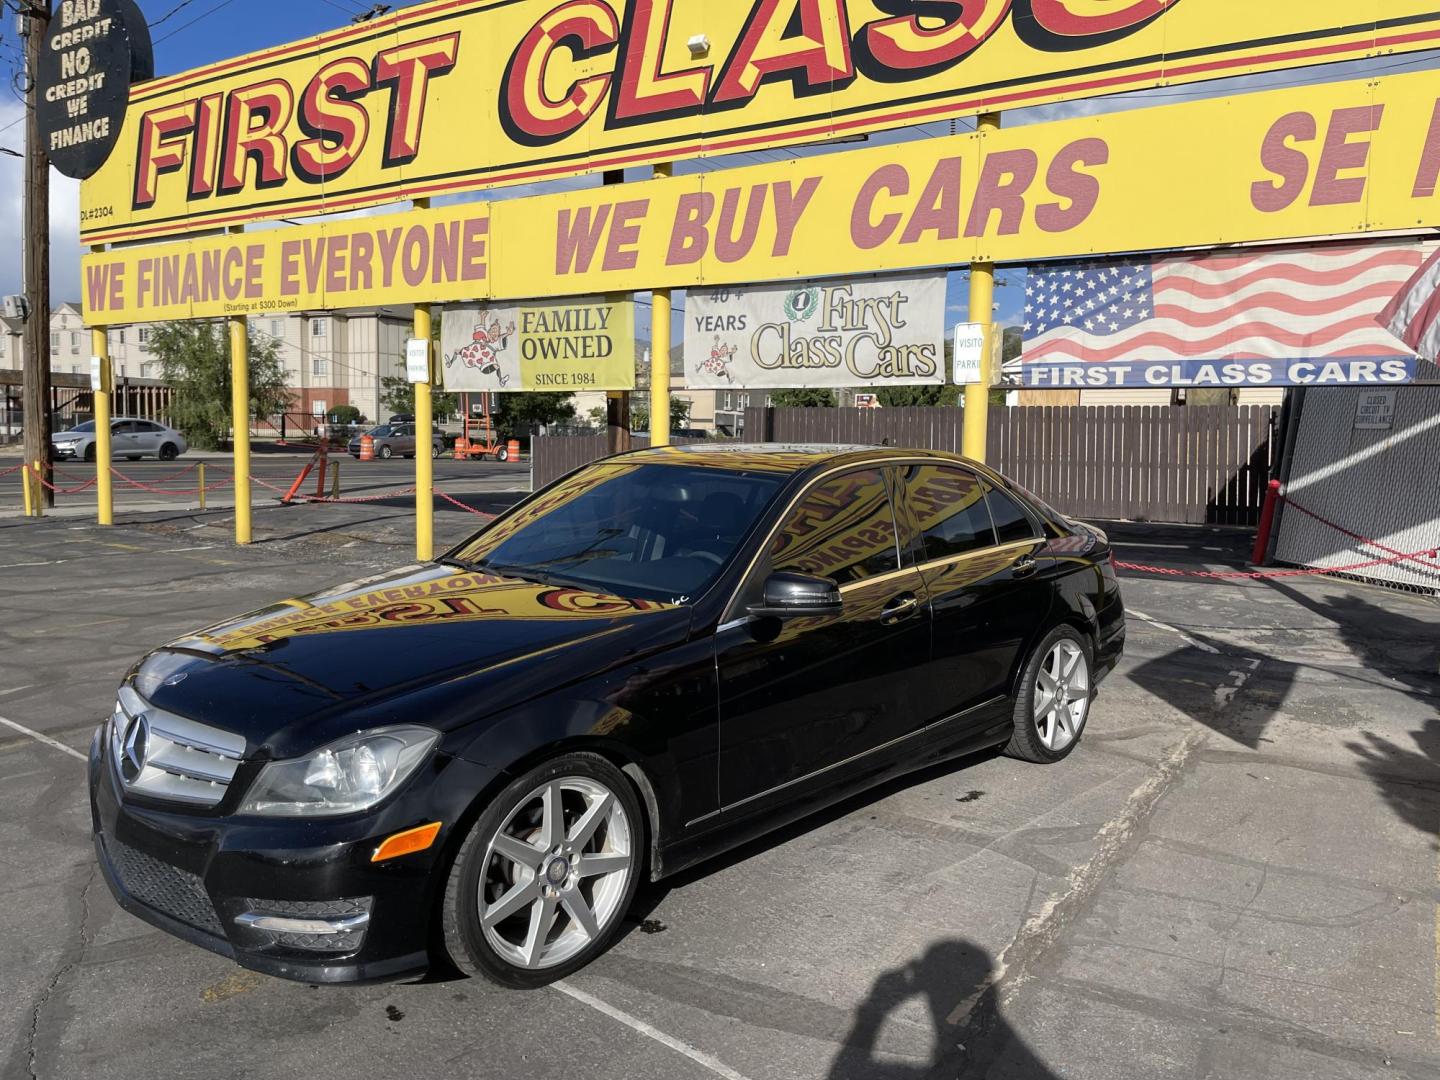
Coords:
pixel 699 47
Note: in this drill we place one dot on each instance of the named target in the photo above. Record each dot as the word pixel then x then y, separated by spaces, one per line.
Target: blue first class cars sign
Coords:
pixel 1377 371
pixel 1286 316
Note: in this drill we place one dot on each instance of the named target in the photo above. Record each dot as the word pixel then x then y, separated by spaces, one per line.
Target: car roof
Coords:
pixel 776 457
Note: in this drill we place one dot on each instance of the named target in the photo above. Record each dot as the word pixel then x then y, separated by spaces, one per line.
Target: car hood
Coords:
pixel 293 676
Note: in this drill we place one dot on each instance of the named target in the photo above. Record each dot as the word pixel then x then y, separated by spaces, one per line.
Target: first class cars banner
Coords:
pixel 459 95
pixel 887 331
pixel 1339 159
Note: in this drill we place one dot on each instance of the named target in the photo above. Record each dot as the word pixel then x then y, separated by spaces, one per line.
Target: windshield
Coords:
pixel 89 425
pixel 652 532
pixel 381 430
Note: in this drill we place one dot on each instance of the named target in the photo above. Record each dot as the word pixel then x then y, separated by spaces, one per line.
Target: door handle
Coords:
pixel 1024 566
pixel 900 608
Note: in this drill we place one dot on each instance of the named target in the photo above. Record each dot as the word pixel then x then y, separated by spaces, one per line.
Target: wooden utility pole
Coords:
pixel 36 391
pixel 617 402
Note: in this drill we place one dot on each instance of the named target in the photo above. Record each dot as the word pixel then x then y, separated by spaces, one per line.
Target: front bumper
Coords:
pixel 64 451
pixel 220 882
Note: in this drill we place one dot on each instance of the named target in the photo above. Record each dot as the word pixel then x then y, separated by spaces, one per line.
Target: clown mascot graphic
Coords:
pixel 483 352
pixel 718 362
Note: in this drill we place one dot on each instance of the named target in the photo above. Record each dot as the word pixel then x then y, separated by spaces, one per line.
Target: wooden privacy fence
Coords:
pixel 552 456
pixel 1193 464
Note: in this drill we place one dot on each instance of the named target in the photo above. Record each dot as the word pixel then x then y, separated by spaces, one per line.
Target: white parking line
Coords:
pixel 1202 646
pixel 23 730
pixel 719 1068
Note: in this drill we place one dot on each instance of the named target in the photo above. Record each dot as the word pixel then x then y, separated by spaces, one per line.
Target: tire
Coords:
pixel 502 454
pixel 545 885
pixel 384 453
pixel 169 452
pixel 1045 731
pixel 90 452
pixel 436 450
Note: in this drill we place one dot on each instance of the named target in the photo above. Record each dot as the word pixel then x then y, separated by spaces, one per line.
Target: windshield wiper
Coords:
pixel 519 573
pixel 474 566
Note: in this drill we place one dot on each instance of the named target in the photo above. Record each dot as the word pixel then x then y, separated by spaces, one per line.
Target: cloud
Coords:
pixel 64 219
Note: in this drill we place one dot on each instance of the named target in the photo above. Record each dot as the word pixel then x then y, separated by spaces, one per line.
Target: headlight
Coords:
pixel 352 774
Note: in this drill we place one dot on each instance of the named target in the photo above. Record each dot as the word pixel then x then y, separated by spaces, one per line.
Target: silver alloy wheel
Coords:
pixel 1062 695
pixel 556 872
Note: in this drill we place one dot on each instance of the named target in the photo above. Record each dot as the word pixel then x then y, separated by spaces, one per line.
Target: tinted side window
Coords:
pixel 948 506
pixel 148 428
pixel 843 529
pixel 1011 521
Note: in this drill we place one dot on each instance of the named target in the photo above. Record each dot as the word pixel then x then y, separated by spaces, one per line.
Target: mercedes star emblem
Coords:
pixel 135 747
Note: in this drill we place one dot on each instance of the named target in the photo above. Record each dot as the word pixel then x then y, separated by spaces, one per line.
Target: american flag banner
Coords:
pixel 1414 315
pixel 1260 317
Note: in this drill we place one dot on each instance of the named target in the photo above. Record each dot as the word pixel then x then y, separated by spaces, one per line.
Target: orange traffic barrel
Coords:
pixel 512 449
pixel 462 448
pixel 367 448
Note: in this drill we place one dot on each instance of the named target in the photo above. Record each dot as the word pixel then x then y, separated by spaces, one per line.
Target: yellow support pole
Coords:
pixel 104 485
pixel 201 474
pixel 25 490
pixel 982 304
pixel 424 434
pixel 660 354
pixel 37 478
pixel 240 417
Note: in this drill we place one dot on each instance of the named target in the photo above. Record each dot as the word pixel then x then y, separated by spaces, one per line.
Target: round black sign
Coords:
pixel 93 51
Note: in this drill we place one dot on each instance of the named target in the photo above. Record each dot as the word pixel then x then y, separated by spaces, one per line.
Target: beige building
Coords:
pixel 330 358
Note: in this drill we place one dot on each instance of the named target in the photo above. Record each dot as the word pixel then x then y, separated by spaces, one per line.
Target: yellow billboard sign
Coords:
pixel 460 95
pixel 1341 159
pixel 583 343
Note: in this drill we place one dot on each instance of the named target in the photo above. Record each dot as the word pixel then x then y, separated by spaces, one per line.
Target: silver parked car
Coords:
pixel 130 438
pixel 397 440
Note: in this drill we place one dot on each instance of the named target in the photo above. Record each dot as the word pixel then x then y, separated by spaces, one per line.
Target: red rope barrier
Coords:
pixel 8 472
pixel 358 500
pixel 1257 574
pixel 68 491
pixel 462 506
pixel 1364 540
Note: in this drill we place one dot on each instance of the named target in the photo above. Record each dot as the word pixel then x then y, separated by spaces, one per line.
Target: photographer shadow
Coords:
pixel 949 974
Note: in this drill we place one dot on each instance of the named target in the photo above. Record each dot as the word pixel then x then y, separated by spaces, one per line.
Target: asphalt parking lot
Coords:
pixel 1235 875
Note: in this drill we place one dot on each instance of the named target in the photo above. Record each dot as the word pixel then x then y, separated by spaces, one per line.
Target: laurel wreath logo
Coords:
pixel 801 304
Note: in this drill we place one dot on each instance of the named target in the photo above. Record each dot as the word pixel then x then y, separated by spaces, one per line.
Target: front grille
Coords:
pixel 176 759
pixel 168 889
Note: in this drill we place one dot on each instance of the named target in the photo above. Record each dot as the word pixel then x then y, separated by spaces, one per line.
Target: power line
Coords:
pixel 185 26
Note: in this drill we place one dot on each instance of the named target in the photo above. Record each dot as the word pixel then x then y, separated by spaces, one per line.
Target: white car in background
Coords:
pixel 130 437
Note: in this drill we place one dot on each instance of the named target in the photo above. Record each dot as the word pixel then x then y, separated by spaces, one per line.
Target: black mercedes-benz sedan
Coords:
pixel 650 661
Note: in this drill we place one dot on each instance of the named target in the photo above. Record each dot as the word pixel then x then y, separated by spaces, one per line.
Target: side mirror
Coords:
pixel 789 594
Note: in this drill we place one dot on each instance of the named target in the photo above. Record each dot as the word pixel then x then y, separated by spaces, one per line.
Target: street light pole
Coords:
pixel 36 390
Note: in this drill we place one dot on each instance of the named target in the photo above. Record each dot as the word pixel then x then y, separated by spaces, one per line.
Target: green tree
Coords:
pixel 397 394
pixel 814 398
pixel 640 413
pixel 896 397
pixel 523 411
pixel 194 358
pixel 345 414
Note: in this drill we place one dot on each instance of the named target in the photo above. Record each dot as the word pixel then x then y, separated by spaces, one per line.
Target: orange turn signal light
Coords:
pixel 407 842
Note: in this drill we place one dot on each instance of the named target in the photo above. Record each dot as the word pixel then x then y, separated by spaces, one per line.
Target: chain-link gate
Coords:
pixel 1375 471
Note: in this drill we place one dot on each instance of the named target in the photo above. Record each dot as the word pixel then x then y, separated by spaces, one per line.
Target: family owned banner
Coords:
pixel 880 331
pixel 584 343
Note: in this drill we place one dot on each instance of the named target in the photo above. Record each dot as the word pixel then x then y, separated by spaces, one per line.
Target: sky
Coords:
pixel 189 33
